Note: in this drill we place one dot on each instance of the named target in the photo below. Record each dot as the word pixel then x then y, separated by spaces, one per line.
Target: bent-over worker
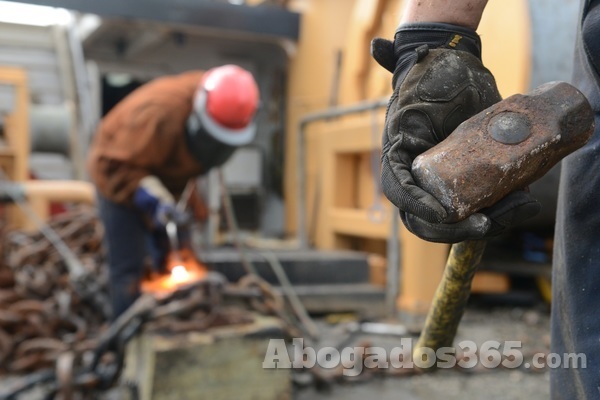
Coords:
pixel 147 148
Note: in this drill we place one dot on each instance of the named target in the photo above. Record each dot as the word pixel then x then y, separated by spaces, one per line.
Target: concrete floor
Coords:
pixel 447 385
pixel 530 326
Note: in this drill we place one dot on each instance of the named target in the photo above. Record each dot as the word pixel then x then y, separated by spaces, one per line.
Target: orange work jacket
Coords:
pixel 144 134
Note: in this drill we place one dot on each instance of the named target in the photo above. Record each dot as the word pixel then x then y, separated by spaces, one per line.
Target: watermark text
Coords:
pixel 467 354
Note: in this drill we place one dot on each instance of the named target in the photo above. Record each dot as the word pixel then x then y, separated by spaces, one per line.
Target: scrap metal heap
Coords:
pixel 41 315
pixel 55 333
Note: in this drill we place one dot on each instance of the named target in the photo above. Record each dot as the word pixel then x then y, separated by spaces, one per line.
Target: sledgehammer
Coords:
pixel 504 148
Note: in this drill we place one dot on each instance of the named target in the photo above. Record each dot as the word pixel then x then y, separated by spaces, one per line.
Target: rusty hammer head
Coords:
pixel 504 148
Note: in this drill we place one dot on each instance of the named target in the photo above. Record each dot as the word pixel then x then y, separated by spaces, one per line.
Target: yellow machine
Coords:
pixel 14 155
pixel 334 117
pixel 344 205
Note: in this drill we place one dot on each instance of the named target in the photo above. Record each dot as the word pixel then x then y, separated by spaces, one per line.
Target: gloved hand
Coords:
pixel 157 203
pixel 166 212
pixel 439 82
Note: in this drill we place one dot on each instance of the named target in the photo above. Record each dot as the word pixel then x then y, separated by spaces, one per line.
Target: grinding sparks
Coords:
pixel 179 274
pixel 183 269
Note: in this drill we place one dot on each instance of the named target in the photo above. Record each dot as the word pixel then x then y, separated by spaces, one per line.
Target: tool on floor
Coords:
pixel 377 328
pixel 504 148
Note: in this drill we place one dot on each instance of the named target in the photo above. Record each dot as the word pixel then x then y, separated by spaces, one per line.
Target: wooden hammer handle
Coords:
pixel 450 299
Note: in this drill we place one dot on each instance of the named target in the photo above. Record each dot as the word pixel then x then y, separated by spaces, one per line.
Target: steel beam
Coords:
pixel 261 20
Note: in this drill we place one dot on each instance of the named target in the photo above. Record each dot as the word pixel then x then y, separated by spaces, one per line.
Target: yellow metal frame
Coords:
pixel 14 159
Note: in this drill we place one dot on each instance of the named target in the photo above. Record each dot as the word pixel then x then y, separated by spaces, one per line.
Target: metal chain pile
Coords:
pixel 41 315
pixel 55 333
pixel 195 307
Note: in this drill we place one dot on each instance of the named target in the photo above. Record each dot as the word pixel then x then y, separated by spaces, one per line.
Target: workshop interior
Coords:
pixel 296 241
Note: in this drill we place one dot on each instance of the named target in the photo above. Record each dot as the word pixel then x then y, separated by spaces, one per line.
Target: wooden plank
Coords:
pixel 357 222
pixel 422 262
pixel 346 191
pixel 16 133
pixel 351 134
pixel 377 270
pixel 313 181
pixel 422 268
pixel 379 80
pixel 17 123
pixel 324 234
pixel 365 18
pixel 490 282
pixel 220 363
pixel 507 52
pixel 365 181
pixel 333 175
pixel 367 300
pixel 324 27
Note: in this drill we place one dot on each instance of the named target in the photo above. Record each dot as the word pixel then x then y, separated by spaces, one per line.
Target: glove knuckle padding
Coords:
pixel 439 81
pixel 442 90
pixel 448 86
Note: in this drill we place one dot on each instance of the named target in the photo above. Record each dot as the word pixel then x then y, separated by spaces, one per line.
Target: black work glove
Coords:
pixel 439 82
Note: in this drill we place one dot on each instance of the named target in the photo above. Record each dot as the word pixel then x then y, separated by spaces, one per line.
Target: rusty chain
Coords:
pixel 56 336
pixel 41 315
pixel 195 307
pixel 50 335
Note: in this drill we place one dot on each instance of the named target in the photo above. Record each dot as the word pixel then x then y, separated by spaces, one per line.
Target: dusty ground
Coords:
pixel 448 386
pixel 530 326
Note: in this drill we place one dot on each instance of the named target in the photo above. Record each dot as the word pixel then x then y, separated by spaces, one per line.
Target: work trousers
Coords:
pixel 131 246
pixel 575 320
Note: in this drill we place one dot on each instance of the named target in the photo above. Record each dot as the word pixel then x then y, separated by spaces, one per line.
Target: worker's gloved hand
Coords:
pixel 512 209
pixel 166 212
pixel 439 82
pixel 157 203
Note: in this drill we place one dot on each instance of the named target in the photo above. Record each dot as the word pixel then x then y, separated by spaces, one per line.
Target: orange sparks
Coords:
pixel 183 269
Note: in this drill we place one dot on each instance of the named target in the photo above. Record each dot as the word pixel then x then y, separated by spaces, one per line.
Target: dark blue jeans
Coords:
pixel 576 265
pixel 129 243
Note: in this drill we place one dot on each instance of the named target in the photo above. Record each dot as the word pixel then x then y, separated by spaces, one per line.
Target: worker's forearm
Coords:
pixel 465 13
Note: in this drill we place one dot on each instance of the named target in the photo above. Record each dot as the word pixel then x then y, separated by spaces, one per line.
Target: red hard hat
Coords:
pixel 226 102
